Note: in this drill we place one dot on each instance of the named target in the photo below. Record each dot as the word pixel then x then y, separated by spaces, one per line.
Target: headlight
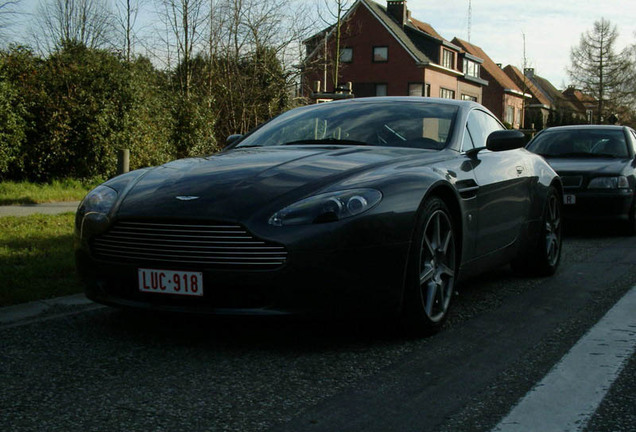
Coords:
pixel 327 207
pixel 93 210
pixel 99 200
pixel 609 183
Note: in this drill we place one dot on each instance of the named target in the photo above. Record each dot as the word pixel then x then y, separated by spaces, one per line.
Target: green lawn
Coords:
pixel 36 258
pixel 12 193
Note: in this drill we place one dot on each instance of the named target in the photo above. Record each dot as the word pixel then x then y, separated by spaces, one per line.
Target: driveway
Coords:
pixel 47 208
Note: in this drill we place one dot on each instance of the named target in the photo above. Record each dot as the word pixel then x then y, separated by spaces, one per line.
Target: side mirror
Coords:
pixel 232 139
pixel 505 140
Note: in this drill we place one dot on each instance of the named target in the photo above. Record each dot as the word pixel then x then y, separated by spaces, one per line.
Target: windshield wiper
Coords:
pixel 327 141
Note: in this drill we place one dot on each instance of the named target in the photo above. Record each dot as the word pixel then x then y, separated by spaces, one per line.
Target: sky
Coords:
pixel 551 27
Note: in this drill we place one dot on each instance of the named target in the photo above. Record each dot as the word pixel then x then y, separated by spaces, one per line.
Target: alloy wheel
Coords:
pixel 553 230
pixel 437 265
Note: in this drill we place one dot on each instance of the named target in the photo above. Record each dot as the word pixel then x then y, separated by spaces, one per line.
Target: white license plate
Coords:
pixel 569 199
pixel 170 282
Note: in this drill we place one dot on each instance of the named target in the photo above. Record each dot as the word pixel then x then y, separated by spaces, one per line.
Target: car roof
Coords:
pixel 586 127
pixel 402 99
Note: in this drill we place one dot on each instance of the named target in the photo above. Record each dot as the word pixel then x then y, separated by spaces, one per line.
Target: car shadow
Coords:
pixel 253 333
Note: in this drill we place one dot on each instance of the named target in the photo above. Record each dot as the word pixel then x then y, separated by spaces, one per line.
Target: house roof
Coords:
pixel 527 85
pixel 580 99
pixel 558 99
pixel 398 31
pixel 498 75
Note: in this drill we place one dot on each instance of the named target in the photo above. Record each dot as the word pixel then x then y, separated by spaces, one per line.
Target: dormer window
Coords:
pixel 448 59
pixel 471 68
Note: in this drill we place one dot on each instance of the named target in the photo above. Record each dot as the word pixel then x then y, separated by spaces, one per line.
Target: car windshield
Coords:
pixel 591 143
pixel 405 124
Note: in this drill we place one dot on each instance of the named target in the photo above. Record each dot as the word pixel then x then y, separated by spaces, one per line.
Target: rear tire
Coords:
pixel 544 254
pixel 431 270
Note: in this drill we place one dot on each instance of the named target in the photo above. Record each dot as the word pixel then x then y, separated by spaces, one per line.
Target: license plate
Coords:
pixel 569 199
pixel 170 282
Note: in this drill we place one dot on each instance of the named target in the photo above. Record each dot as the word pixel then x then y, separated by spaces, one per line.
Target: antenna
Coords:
pixel 470 17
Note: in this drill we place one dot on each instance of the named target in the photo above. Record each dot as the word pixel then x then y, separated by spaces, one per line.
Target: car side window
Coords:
pixel 480 125
pixel 633 141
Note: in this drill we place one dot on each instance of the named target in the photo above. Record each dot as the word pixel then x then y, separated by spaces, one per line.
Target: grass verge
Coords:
pixel 15 193
pixel 36 258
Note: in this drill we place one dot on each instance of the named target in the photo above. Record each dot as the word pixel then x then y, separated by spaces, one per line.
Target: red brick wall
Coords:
pixel 362 32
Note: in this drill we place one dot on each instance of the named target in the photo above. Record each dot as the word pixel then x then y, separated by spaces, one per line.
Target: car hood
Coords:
pixel 600 166
pixel 235 184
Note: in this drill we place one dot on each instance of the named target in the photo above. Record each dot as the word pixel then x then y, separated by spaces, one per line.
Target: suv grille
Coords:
pixel 213 246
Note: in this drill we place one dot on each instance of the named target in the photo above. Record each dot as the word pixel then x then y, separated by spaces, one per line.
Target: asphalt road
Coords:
pixel 107 370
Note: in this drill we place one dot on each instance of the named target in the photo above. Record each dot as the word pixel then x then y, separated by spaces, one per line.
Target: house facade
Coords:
pixel 386 52
pixel 501 96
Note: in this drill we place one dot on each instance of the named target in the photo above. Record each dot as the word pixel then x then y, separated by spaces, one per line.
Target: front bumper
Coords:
pixel 598 205
pixel 335 282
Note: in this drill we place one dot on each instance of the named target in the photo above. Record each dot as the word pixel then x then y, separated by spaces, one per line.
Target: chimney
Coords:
pixel 529 72
pixel 398 11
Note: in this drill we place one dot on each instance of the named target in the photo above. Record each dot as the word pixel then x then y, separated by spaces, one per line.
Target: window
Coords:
pixel 471 68
pixel 427 90
pixel 416 89
pixel 469 97
pixel 346 55
pixel 381 90
pixel 446 93
pixel 380 54
pixel 480 125
pixel 448 59
pixel 510 115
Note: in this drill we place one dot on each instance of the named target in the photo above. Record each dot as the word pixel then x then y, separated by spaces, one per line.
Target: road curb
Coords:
pixel 30 310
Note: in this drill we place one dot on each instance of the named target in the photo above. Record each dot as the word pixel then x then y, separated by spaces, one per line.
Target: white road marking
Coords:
pixel 571 392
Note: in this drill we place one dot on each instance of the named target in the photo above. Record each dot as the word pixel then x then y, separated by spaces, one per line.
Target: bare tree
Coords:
pixel 185 22
pixel 88 22
pixel 334 13
pixel 599 70
pixel 127 14
pixel 7 13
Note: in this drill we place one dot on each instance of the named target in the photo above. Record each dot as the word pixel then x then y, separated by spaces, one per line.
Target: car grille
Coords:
pixel 572 181
pixel 210 245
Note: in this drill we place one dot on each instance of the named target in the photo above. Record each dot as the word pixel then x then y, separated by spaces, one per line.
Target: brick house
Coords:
pixel 502 96
pixel 549 106
pixel 385 51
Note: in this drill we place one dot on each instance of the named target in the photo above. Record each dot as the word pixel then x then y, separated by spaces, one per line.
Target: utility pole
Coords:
pixel 470 17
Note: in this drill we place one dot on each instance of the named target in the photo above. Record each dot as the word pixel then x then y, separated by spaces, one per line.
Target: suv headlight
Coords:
pixel 327 207
pixel 619 182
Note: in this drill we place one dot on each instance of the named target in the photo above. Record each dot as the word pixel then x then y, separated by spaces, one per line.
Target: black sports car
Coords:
pixel 597 165
pixel 375 205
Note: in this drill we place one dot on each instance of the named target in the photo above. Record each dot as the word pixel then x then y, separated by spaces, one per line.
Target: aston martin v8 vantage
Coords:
pixel 373 205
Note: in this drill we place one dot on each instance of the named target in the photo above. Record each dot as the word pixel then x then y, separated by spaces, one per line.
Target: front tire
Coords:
pixel 432 270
